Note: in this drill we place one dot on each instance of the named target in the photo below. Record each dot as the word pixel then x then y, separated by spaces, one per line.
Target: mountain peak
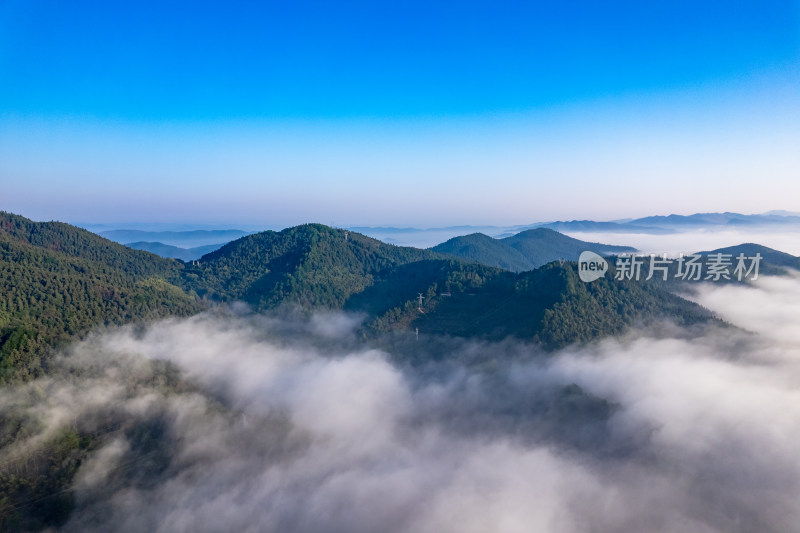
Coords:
pixel 523 251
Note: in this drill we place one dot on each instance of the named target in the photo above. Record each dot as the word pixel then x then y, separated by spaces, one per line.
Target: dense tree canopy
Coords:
pixel 58 282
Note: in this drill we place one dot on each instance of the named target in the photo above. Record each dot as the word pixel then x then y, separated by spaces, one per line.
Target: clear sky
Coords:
pixel 397 113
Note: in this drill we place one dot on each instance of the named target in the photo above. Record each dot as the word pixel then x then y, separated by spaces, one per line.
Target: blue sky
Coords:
pixel 397 113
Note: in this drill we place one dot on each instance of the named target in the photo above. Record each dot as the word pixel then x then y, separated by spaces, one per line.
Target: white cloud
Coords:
pixel 284 428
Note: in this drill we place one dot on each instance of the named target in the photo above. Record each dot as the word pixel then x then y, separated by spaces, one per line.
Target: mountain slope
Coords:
pixel 486 250
pixel 312 266
pixel 524 251
pixel 542 245
pixel 58 281
pixel 549 305
pixel 75 242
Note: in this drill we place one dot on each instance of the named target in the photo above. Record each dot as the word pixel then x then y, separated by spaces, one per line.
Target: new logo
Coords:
pixel 591 266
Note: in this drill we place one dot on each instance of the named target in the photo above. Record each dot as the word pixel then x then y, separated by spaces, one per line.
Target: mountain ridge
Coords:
pixel 174 252
pixel 525 250
pixel 58 282
pixel 182 239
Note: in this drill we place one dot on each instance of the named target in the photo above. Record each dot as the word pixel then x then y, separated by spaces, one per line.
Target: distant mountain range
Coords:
pixel 654 225
pixel 175 252
pixel 182 239
pixel 59 282
pixel 676 223
pixel 716 219
pixel 590 226
pixel 524 251
pixel 783 213
pixel 188 245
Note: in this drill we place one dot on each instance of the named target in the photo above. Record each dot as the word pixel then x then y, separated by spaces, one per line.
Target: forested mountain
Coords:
pixel 312 265
pixel 486 250
pixel 76 242
pixel 549 305
pixel 58 281
pixel 524 251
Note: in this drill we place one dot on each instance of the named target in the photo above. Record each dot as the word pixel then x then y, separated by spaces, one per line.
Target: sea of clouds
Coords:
pixel 265 424
pixel 697 240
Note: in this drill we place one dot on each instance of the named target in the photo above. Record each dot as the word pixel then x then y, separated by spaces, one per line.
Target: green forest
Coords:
pixel 525 250
pixel 59 282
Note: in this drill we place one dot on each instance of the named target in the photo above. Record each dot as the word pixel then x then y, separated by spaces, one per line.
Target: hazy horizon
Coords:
pixel 156 224
pixel 679 240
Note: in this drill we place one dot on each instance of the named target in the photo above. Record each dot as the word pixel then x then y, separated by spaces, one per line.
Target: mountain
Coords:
pixel 427 237
pixel 549 305
pixel 183 239
pixel 782 213
pixel 486 250
pixel 771 257
pixel 674 223
pixel 679 275
pixel 654 225
pixel 543 245
pixel 590 226
pixel 524 251
pixel 312 265
pixel 175 252
pixel 716 219
pixel 58 281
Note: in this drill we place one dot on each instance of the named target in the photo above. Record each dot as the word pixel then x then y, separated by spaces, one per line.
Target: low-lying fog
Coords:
pixel 300 426
pixel 689 241
pixel 697 240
